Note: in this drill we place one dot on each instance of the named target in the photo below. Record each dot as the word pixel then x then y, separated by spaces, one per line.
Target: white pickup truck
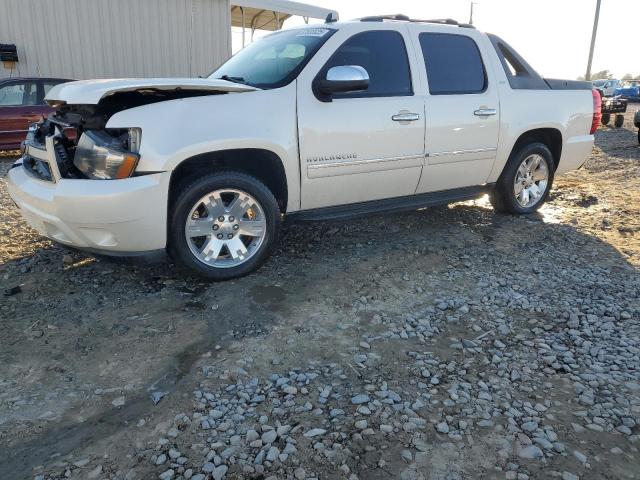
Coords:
pixel 317 122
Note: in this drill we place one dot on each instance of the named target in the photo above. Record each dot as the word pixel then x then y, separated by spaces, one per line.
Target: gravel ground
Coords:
pixel 463 345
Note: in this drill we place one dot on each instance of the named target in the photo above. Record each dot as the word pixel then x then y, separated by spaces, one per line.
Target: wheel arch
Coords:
pixel 263 164
pixel 551 137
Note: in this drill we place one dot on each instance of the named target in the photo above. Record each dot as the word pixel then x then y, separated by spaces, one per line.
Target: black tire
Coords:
pixel 503 196
pixel 606 118
pixel 189 195
pixel 619 121
pixel 638 136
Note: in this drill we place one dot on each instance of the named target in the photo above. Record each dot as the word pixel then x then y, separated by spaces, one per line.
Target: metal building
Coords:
pixel 81 39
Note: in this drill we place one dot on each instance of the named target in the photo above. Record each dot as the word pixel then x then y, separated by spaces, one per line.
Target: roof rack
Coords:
pixel 404 18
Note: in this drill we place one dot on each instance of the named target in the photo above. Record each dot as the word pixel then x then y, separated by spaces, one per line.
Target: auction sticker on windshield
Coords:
pixel 313 32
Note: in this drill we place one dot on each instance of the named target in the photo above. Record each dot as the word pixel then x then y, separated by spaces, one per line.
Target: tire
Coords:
pixel 223 202
pixel 606 118
pixel 619 121
pixel 639 136
pixel 503 197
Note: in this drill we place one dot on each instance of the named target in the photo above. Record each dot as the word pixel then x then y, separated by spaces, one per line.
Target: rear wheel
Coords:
pixel 619 121
pixel 224 225
pixel 526 180
pixel 606 118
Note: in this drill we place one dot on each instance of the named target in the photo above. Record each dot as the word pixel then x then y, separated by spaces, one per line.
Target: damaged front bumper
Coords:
pixel 109 217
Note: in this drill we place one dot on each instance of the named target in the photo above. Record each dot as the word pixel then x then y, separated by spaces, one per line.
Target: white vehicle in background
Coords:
pixel 606 87
pixel 378 114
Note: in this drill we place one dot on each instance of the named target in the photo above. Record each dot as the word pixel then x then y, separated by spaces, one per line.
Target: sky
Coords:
pixel 552 35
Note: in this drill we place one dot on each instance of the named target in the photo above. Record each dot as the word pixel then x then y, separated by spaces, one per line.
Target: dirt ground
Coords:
pixel 495 334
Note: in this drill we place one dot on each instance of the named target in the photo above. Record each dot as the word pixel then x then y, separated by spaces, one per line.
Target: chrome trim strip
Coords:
pixel 363 162
pixel 461 152
pixel 13 131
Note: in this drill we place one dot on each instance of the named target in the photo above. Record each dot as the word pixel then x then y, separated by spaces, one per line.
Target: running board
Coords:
pixel 398 204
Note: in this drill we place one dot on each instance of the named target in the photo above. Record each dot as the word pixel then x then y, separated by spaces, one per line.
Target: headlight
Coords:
pixel 101 156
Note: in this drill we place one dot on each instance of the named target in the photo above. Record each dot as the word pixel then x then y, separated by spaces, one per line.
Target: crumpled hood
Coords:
pixel 90 92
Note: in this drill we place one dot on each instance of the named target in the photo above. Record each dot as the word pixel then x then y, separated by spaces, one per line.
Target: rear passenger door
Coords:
pixel 462 111
pixel 18 107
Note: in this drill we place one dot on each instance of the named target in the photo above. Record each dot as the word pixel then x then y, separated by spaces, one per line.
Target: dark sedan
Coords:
pixel 22 102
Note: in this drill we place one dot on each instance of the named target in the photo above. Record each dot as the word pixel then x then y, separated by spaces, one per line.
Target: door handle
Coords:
pixel 406 117
pixel 485 112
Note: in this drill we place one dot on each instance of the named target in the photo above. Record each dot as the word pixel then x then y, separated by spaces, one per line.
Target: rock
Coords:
pixel 167 475
pixel 442 427
pixel 315 432
pixel 269 436
pixel 161 459
pixel 360 399
pixel 273 454
pixel 96 472
pixel 582 458
pixel 569 476
pixel 118 402
pixel 219 472
pixel 530 452
pixel 407 456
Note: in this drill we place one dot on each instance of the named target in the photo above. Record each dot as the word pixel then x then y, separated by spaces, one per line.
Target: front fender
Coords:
pixel 176 130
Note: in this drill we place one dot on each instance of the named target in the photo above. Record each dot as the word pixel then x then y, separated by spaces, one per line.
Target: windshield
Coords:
pixel 599 83
pixel 275 60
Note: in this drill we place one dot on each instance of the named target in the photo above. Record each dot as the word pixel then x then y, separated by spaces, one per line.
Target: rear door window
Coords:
pixel 454 65
pixel 19 94
pixel 383 54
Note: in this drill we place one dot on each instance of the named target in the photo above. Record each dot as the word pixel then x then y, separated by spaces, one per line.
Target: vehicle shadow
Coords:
pixel 84 300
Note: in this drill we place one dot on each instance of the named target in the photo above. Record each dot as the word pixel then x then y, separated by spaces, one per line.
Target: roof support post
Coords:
pixel 243 27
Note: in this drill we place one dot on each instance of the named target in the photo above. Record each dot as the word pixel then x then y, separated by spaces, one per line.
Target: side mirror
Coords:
pixel 344 79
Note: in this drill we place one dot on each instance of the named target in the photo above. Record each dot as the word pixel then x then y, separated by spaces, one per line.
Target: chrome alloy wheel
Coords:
pixel 225 228
pixel 532 178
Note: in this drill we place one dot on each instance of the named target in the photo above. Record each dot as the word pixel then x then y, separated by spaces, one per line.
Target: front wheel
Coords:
pixel 606 118
pixel 526 180
pixel 224 225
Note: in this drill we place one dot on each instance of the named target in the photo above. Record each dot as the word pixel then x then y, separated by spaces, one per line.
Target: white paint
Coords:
pixel 90 92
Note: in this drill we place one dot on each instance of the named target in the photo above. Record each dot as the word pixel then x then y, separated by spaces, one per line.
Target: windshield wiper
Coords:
pixel 228 78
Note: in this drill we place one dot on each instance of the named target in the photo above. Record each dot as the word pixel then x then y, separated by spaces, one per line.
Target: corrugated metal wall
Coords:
pixel 82 39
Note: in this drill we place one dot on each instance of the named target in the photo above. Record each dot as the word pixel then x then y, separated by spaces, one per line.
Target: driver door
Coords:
pixel 361 146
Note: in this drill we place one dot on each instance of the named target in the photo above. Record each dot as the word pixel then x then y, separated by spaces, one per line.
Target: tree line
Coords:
pixel 606 75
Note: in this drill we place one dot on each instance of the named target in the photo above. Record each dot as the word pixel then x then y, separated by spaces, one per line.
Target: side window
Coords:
pixel 383 54
pixel 48 86
pixel 17 94
pixel 454 64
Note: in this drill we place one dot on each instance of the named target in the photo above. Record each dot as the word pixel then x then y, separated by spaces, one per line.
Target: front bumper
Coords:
pixel 110 217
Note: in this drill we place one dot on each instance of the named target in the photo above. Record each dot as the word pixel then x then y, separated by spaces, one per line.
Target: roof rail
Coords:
pixel 403 18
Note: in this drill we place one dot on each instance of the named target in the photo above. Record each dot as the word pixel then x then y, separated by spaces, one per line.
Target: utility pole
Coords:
pixel 593 40
pixel 471 15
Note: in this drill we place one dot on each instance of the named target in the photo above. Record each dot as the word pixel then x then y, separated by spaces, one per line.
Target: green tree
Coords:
pixel 602 75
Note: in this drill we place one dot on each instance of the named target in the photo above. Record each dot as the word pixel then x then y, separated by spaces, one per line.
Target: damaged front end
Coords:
pixel 74 142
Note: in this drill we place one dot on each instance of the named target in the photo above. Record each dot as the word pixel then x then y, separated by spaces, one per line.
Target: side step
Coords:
pixel 398 204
